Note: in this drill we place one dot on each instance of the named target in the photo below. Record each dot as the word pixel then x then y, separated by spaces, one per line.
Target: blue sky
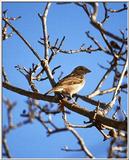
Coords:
pixel 63 20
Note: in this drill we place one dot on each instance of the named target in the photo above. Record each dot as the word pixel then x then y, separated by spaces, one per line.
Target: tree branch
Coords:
pixel 45 32
pixel 23 39
pixel 122 125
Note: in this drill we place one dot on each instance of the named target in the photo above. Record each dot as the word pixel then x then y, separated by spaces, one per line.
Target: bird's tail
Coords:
pixel 50 91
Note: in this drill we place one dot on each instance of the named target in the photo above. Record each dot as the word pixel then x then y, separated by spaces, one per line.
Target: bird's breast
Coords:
pixel 74 88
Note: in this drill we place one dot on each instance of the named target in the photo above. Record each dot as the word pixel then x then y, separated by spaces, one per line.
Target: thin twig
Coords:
pixel 98 25
pixel 4 75
pixel 106 17
pixel 119 84
pixel 72 51
pixel 45 32
pixel 23 39
pixel 6 148
pixel 80 140
pixel 119 10
pixel 97 89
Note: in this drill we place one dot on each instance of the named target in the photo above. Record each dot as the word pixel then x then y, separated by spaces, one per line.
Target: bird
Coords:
pixel 72 83
pixel 114 45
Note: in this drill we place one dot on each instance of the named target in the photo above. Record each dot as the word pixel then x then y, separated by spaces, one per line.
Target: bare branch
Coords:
pixel 98 25
pixel 72 51
pixel 23 39
pixel 95 41
pixel 45 65
pixel 97 89
pixel 119 10
pixel 73 107
pixel 4 75
pixel 106 16
pixel 80 140
pixel 119 84
pixel 6 148
pixel 45 32
pixel 29 75
pixel 28 93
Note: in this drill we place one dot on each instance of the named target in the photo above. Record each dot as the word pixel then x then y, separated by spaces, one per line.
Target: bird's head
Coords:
pixel 81 70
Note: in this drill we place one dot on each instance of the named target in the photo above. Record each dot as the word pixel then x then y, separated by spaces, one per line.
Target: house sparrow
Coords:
pixel 72 83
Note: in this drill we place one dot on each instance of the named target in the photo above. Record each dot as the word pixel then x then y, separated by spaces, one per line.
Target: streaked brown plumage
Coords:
pixel 72 83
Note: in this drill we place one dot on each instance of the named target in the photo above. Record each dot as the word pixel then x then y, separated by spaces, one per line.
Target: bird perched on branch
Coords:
pixel 72 83
pixel 114 45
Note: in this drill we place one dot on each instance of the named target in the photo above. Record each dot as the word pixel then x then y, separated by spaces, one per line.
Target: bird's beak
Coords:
pixel 88 71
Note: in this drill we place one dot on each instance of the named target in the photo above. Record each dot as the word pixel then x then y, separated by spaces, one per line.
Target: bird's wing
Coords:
pixel 70 80
pixel 66 81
